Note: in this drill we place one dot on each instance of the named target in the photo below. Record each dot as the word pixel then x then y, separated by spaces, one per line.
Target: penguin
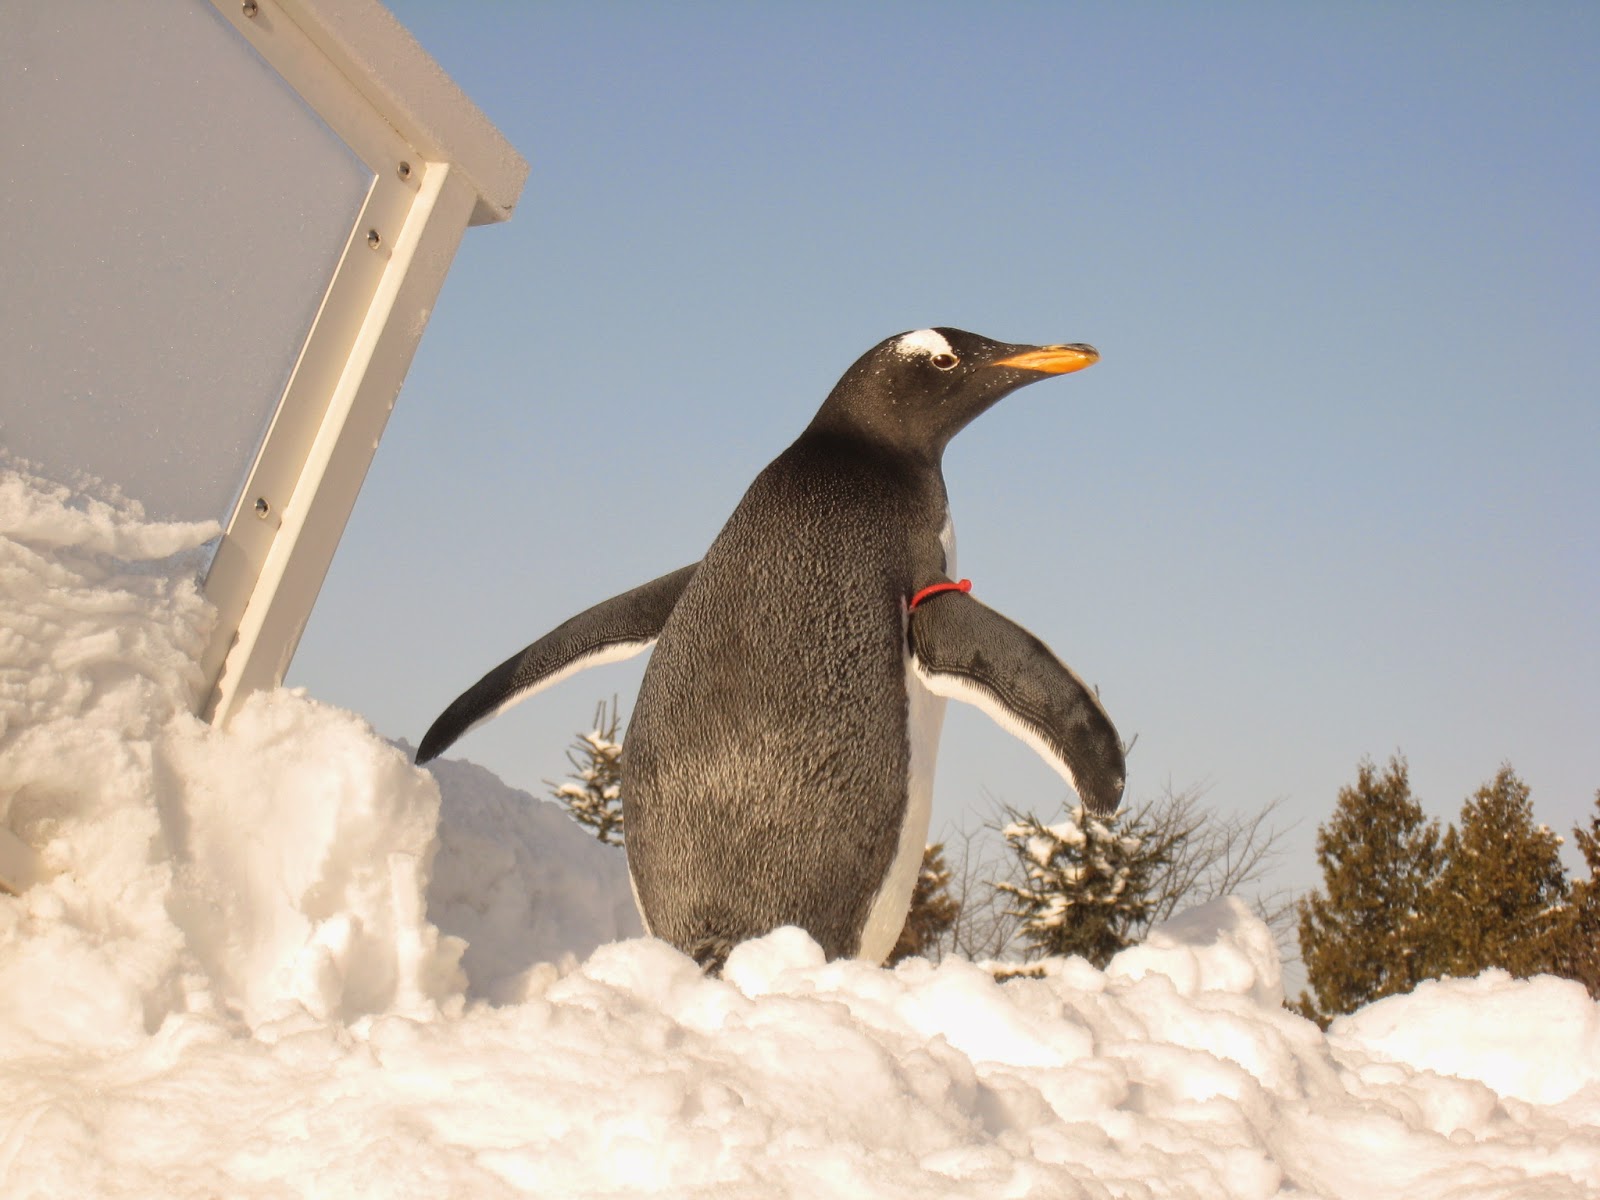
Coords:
pixel 778 765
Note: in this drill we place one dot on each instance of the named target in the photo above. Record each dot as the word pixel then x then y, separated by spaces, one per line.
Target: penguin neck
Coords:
pixel 845 441
pixel 853 431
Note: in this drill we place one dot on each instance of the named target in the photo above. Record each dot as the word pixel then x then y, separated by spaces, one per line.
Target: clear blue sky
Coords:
pixel 1333 490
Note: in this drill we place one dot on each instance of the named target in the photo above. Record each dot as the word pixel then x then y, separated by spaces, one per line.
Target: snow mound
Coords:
pixel 281 865
pixel 272 961
pixel 520 882
pixel 277 865
pixel 1460 1027
pixel 1219 946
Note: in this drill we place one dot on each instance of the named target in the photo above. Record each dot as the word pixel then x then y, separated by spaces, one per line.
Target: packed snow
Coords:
pixel 278 961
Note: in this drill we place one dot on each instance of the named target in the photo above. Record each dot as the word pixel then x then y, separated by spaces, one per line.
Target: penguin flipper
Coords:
pixel 611 631
pixel 966 651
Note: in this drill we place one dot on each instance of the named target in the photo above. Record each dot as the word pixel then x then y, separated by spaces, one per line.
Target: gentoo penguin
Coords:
pixel 778 765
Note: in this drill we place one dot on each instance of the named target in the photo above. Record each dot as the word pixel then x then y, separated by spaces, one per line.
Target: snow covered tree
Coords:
pixel 1578 947
pixel 1085 886
pixel 933 909
pixel 1366 934
pixel 1500 899
pixel 1197 854
pixel 594 792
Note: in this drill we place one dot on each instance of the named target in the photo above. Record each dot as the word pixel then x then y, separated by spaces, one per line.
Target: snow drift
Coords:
pixel 275 961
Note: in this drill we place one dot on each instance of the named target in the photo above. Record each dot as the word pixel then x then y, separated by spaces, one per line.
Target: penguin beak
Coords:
pixel 1053 360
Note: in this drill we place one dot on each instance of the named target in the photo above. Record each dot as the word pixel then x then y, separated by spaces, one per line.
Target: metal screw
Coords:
pixel 262 507
pixel 373 239
pixel 405 170
pixel 251 8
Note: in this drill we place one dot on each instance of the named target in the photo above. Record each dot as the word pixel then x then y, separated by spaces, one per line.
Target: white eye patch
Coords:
pixel 923 341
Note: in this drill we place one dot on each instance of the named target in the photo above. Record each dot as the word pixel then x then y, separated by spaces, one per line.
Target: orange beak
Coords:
pixel 1053 360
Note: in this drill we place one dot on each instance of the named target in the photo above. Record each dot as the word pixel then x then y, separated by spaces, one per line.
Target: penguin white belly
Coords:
pixel 924 720
pixel 887 916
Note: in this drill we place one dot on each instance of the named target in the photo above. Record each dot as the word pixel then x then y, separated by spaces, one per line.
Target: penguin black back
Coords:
pixel 773 710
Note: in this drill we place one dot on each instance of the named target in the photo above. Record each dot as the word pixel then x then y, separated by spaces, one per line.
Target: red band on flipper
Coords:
pixel 933 589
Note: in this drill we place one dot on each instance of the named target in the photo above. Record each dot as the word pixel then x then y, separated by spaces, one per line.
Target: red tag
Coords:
pixel 933 589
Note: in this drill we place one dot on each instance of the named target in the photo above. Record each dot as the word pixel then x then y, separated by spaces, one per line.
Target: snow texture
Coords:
pixel 520 882
pixel 242 973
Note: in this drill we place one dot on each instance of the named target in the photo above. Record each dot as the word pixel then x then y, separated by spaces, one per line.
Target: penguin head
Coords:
pixel 917 390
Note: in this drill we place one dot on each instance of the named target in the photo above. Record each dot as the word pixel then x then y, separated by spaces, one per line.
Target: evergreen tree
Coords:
pixel 933 909
pixel 1578 950
pixel 1500 900
pixel 1365 936
pixel 1086 884
pixel 594 793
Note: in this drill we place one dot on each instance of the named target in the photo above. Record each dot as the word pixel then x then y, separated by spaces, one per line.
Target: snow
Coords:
pixel 1469 1014
pixel 279 960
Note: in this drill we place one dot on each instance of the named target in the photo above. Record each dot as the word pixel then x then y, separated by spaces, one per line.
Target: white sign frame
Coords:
pixel 439 165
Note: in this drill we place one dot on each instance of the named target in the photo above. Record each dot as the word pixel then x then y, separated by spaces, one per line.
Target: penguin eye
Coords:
pixel 945 362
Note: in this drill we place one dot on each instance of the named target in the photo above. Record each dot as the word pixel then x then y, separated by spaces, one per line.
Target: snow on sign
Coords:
pixel 230 221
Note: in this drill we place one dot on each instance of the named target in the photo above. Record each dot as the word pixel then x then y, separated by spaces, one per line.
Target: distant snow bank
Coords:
pixel 274 962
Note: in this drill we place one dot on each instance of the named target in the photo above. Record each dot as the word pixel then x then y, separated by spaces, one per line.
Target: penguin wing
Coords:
pixel 611 631
pixel 966 651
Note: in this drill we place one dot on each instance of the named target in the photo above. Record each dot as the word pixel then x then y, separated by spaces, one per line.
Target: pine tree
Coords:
pixel 1086 886
pixel 1578 942
pixel 1365 936
pixel 594 795
pixel 933 909
pixel 1501 898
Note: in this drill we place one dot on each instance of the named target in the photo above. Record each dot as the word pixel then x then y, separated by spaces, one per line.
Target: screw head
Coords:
pixel 251 8
pixel 262 507
pixel 373 239
pixel 405 170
